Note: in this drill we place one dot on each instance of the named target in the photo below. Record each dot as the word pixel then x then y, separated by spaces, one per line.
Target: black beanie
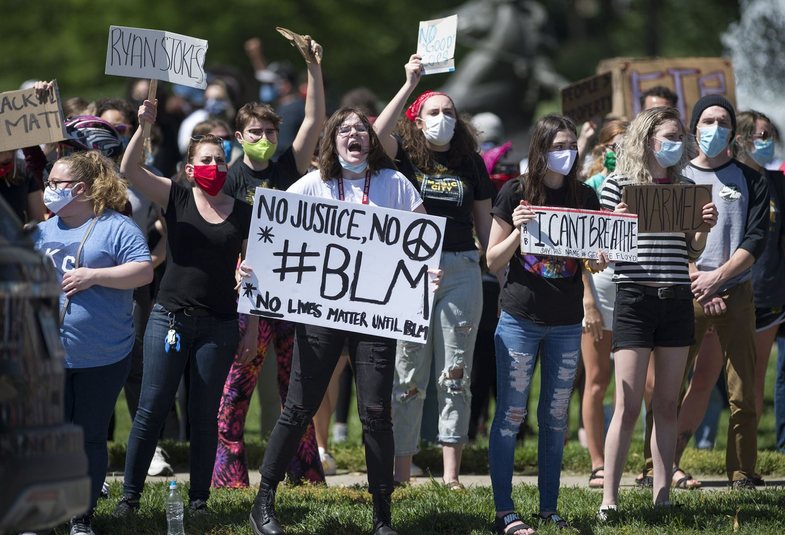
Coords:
pixel 708 101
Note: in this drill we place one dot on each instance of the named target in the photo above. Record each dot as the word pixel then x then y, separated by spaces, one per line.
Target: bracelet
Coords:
pixel 588 266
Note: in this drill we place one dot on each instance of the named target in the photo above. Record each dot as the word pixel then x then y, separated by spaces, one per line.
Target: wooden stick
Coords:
pixel 148 147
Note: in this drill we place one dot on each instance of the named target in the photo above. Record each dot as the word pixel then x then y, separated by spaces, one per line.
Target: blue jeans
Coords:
pixel 779 396
pixel 209 342
pixel 518 342
pixel 90 397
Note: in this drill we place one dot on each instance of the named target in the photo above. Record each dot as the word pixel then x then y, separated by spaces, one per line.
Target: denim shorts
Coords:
pixel 646 316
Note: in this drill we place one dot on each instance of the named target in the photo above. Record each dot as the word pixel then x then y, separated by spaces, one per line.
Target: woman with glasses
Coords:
pixel 353 168
pixel 438 153
pixel 194 319
pixel 257 133
pixel 100 256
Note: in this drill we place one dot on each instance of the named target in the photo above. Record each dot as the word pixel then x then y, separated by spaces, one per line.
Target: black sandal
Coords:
pixel 595 475
pixel 502 524
pixel 553 518
pixel 644 480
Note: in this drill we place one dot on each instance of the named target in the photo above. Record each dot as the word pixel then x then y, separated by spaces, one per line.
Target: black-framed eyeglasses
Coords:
pixel 269 133
pixel 346 129
pixel 52 183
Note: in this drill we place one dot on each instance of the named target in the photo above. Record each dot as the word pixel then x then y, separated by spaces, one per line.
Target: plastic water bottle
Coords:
pixel 174 511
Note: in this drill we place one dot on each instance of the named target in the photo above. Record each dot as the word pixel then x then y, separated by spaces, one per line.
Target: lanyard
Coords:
pixel 366 188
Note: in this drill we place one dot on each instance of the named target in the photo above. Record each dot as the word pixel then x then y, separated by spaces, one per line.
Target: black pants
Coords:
pixel 316 352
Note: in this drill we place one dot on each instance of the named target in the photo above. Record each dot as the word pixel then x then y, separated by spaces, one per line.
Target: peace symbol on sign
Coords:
pixel 421 239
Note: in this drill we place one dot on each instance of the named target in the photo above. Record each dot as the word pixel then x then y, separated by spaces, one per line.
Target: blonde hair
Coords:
pixel 105 187
pixel 635 153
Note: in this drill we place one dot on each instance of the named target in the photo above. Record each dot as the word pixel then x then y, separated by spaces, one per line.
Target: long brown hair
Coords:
pixel 330 166
pixel 609 130
pixel 105 187
pixel 533 179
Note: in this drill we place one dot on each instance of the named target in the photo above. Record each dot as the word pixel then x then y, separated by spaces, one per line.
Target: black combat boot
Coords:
pixel 263 521
pixel 382 517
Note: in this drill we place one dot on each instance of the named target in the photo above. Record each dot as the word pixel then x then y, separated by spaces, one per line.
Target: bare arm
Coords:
pixel 253 49
pixel 36 211
pixel 385 122
pixel 123 277
pixel 155 188
pixel 481 211
pixel 504 239
pixel 308 135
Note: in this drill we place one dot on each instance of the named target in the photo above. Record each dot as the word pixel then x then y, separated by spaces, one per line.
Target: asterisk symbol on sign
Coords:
pixel 266 234
pixel 248 289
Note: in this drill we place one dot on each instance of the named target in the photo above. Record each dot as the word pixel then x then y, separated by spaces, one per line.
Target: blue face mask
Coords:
pixel 227 145
pixel 713 139
pixel 354 167
pixel 764 151
pixel 670 152
pixel 214 106
pixel 268 93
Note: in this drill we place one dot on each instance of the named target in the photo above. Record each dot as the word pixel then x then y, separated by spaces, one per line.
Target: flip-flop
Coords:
pixel 301 43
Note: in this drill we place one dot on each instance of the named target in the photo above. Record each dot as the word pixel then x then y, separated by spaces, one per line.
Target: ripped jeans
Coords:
pixel 517 343
pixel 453 331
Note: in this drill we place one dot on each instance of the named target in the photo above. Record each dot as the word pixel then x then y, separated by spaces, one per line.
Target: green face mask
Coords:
pixel 610 161
pixel 260 151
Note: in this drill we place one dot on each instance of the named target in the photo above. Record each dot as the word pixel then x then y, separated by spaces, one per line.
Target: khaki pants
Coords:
pixel 736 331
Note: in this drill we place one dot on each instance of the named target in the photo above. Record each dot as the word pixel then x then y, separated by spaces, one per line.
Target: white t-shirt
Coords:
pixel 388 189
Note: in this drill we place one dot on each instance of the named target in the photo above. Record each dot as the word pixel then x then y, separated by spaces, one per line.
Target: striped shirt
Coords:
pixel 662 256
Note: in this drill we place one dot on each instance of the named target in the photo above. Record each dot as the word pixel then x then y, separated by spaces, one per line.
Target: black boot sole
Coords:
pixel 265 529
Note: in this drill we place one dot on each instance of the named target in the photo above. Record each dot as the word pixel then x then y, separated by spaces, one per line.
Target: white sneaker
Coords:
pixel 328 463
pixel 159 466
pixel 606 512
pixel 340 433
pixel 415 471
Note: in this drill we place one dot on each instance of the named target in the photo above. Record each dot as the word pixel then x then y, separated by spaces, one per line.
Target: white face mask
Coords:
pixel 439 129
pixel 560 161
pixel 56 199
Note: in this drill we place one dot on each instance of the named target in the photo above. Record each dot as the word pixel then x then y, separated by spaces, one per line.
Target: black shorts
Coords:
pixel 645 316
pixel 766 317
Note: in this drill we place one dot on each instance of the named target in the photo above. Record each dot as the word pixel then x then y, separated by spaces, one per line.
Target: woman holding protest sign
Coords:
pixel 541 303
pixel 437 152
pixel 653 313
pixel 100 257
pixel 354 168
pixel 194 318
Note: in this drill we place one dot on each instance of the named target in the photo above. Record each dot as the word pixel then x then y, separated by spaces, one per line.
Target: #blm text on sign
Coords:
pixel 581 234
pixel 26 121
pixel 156 55
pixel 343 265
pixel 588 98
pixel 668 207
pixel 436 44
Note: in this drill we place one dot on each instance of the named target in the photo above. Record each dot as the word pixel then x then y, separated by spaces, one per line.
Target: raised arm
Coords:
pixel 155 188
pixel 385 122
pixel 307 137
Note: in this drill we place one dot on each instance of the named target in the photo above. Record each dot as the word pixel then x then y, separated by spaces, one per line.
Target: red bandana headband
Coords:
pixel 413 111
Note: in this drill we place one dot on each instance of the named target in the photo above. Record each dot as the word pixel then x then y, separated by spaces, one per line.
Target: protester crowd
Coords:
pixel 694 308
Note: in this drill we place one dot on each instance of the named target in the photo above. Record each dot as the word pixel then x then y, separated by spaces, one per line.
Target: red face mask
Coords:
pixel 6 169
pixel 210 178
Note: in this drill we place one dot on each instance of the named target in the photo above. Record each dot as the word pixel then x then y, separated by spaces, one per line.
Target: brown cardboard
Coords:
pixel 689 78
pixel 588 98
pixel 25 121
pixel 668 207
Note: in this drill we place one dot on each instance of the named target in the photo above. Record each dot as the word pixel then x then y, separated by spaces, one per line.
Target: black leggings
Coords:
pixel 316 352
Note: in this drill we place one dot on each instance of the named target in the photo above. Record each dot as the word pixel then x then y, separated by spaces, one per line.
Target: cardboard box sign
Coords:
pixel 26 121
pixel 587 98
pixel 689 78
pixel 668 207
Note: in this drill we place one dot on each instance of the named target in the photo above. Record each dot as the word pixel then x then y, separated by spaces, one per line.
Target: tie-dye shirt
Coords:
pixel 543 289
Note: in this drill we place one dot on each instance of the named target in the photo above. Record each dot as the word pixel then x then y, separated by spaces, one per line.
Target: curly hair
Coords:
pixel 462 144
pixel 532 181
pixel 118 104
pixel 635 153
pixel 745 128
pixel 105 187
pixel 609 130
pixel 330 166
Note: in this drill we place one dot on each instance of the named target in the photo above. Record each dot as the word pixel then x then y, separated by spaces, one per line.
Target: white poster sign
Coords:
pixel 156 55
pixel 436 44
pixel 581 234
pixel 343 265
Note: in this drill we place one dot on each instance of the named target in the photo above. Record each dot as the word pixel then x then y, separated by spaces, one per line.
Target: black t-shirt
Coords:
pixel 16 189
pixel 543 289
pixel 769 270
pixel 451 193
pixel 201 256
pixel 242 181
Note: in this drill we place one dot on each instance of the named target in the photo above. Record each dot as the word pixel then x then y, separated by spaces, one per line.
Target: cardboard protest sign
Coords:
pixel 668 207
pixel 590 97
pixel 156 55
pixel 436 44
pixel 26 121
pixel 336 264
pixel 689 78
pixel 581 234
